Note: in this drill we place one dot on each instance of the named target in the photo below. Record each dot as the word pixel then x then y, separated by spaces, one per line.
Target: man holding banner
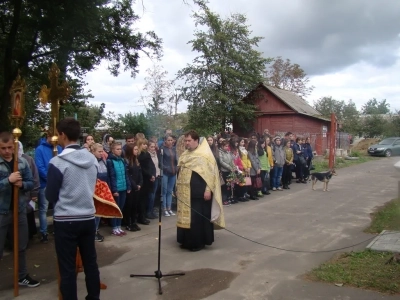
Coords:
pixel 8 179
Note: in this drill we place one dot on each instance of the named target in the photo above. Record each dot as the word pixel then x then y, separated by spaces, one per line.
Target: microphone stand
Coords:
pixel 158 274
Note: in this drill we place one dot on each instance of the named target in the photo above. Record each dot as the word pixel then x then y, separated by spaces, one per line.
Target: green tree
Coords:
pixel 158 99
pixel 88 115
pixel 227 69
pixel 351 121
pixel 77 34
pixel 134 123
pixel 287 76
pixel 374 126
pixel 346 113
pixel 327 105
pixel 373 107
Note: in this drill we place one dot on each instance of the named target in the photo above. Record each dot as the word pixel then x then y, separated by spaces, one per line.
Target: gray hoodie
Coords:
pixel 279 155
pixel 71 181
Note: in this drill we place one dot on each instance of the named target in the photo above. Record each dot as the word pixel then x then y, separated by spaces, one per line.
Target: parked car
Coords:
pixel 387 147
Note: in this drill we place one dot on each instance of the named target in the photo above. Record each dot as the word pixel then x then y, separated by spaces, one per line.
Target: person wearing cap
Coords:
pixel 279 155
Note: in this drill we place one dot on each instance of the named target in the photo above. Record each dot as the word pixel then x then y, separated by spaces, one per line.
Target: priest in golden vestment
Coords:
pixel 199 195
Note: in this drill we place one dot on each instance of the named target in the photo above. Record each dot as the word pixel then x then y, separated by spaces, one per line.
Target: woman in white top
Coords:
pixel 152 195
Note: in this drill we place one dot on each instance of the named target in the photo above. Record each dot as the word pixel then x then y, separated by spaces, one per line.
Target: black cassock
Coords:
pixel 201 230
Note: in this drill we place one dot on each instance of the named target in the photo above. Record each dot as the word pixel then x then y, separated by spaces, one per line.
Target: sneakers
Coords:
pixel 260 194
pixel 226 203
pixel 121 231
pixel 274 189
pixel 98 237
pixel 28 281
pixel 44 239
pixel 166 214
pixel 279 189
pixel 171 213
pixel 116 232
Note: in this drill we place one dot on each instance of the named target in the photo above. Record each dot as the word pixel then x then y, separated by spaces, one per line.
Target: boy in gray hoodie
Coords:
pixel 71 181
pixel 279 155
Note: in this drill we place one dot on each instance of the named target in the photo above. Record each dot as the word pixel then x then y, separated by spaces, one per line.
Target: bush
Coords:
pixel 355 153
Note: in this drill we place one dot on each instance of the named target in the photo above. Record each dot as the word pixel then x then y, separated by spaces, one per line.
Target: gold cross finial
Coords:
pixel 56 94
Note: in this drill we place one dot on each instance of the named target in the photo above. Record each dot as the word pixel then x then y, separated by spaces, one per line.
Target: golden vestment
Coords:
pixel 202 161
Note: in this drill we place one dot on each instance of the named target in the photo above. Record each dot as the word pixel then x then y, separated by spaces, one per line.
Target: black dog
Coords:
pixel 324 177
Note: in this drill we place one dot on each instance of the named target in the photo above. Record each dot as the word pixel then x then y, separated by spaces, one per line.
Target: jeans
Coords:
pixel 120 200
pixel 43 206
pixel 68 237
pixel 168 183
pixel 277 176
pixel 152 197
pixel 6 224
pixel 97 222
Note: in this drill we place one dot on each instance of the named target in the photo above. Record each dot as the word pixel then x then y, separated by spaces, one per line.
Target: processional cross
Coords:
pixel 54 95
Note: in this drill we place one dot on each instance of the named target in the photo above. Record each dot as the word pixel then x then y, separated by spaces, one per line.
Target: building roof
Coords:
pixel 294 101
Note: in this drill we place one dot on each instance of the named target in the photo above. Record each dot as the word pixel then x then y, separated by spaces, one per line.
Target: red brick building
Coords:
pixel 281 111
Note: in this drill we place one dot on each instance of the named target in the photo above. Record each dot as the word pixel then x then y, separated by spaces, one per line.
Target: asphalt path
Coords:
pixel 232 268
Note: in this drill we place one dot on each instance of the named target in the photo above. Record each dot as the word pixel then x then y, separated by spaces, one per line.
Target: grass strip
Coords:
pixel 386 217
pixel 366 269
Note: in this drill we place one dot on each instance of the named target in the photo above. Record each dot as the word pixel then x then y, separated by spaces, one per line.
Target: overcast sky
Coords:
pixel 350 49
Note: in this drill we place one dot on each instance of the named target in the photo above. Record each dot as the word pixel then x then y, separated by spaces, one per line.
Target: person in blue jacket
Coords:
pixel 43 154
pixel 119 183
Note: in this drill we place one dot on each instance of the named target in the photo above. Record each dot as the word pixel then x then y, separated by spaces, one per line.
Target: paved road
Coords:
pixel 299 219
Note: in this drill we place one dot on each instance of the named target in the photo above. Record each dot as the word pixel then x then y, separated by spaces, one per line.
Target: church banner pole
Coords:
pixel 17 93
pixel 54 95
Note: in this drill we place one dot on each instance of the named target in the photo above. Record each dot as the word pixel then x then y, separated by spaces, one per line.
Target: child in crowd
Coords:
pixel 103 175
pixel 287 168
pixel 119 182
pixel 255 169
pixel 149 176
pixel 265 168
pixel 136 181
pixel 227 166
pixel 279 155
pixel 169 164
pixel 238 190
pixel 155 156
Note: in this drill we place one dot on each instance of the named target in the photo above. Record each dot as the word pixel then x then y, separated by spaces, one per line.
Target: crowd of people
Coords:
pixel 133 173
pixel 252 167
pixel 216 171
pixel 249 169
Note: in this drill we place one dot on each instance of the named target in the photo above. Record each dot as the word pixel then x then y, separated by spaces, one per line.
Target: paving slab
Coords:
pixel 386 241
pixel 295 220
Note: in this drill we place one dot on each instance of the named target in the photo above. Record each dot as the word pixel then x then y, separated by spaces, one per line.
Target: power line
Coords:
pixel 280 248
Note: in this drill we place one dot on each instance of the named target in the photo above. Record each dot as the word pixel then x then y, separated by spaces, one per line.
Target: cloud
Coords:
pixel 350 49
pixel 360 82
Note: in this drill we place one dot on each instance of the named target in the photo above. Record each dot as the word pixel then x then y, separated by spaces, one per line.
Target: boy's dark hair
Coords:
pixel 129 137
pixel 194 135
pixel 5 137
pixel 70 127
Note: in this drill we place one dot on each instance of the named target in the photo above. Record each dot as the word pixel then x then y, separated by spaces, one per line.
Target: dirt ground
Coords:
pixel 362 146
